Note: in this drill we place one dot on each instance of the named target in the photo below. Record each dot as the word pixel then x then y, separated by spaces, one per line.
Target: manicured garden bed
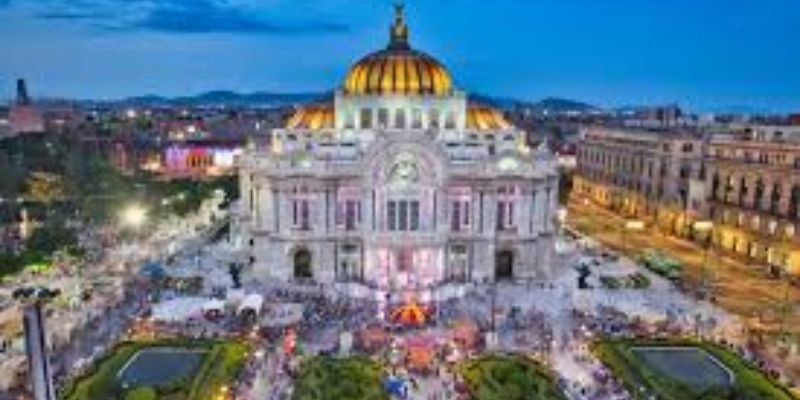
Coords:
pixel 632 281
pixel 331 378
pixel 218 364
pixel 508 377
pixel 644 366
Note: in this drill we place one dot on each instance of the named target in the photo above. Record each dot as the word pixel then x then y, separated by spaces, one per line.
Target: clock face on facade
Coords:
pixel 404 170
pixel 508 164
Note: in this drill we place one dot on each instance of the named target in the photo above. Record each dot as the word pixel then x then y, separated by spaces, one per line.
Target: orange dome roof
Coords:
pixel 482 117
pixel 312 116
pixel 398 69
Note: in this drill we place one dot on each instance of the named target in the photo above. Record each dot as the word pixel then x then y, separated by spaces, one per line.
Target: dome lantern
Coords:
pixel 398 33
pixel 398 69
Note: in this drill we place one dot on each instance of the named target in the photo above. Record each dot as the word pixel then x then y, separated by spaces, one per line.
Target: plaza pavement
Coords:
pixel 743 289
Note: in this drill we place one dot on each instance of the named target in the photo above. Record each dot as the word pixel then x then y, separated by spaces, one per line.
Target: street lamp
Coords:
pixel 134 216
pixel 707 227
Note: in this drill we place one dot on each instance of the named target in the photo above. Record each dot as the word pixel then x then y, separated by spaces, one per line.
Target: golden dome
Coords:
pixel 313 117
pixel 482 117
pixel 398 69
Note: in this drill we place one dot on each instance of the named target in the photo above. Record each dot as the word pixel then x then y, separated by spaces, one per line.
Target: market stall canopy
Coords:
pixel 214 305
pixel 252 302
pixel 410 314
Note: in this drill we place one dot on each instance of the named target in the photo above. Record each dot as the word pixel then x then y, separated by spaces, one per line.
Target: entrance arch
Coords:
pixel 302 264
pixel 504 265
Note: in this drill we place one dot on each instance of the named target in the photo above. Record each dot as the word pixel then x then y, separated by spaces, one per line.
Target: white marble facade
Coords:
pixel 369 187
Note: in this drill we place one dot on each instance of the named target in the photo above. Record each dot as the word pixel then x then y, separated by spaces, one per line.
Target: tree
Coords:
pixel 44 187
pixel 52 236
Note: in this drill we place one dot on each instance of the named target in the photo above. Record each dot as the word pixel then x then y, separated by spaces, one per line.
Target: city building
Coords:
pixel 656 175
pixel 398 181
pixel 754 194
pixel 23 116
pixel 745 179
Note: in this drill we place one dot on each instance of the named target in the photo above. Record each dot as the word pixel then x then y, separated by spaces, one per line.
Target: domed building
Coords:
pixel 398 182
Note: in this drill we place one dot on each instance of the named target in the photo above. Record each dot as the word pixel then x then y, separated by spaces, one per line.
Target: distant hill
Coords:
pixel 548 104
pixel 227 98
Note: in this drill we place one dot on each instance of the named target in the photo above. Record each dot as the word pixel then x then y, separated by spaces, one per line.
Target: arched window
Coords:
pixel 758 196
pixel 715 186
pixel 729 189
pixel 504 265
pixel 302 264
pixel 742 190
pixel 794 202
pixel 775 199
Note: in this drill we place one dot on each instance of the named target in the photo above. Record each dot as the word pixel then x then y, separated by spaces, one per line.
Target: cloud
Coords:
pixel 181 17
pixel 72 15
pixel 209 16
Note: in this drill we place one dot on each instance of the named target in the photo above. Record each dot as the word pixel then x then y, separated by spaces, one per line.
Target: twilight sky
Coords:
pixel 704 54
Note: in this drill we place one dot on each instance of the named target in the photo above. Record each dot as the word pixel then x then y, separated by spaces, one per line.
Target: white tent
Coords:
pixel 252 302
pixel 214 305
pixel 235 297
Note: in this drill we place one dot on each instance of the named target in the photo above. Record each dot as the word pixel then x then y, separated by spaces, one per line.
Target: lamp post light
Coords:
pixel 39 371
pixel 708 228
pixel 133 216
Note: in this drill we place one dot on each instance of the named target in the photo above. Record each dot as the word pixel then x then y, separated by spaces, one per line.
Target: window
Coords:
pixel 391 217
pixel 758 195
pixel 685 172
pixel 794 203
pixel 506 197
pixel 366 118
pixel 414 223
pixel 416 118
pixel 459 215
pixel 301 209
pixel 450 120
pixel 402 215
pixel 348 214
pixel 433 118
pixel 349 121
pixel 458 262
pixel 775 201
pixel 383 118
pixel 688 148
pixel 400 119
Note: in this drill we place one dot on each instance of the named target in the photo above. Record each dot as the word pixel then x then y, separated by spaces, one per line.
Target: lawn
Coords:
pixel 693 370
pixel 219 363
pixel 331 378
pixel 507 377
